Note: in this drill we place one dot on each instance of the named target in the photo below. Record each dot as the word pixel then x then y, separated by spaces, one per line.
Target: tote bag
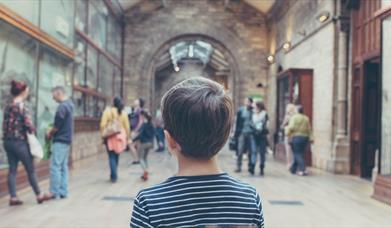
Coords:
pixel 112 127
pixel 35 147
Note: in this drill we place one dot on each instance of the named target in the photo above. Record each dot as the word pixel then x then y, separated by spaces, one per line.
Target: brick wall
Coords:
pixel 239 29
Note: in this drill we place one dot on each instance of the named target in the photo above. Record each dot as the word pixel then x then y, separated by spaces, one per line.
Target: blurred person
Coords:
pixel 160 139
pixel 299 129
pixel 116 143
pixel 61 134
pixel 145 136
pixel 17 124
pixel 260 121
pixel 244 134
pixel 289 112
pixel 135 125
pixel 198 118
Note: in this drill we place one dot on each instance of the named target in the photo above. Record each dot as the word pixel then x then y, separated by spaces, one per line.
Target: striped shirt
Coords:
pixel 198 201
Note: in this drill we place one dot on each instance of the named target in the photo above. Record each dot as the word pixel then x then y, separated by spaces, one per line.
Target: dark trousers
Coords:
pixel 246 143
pixel 299 145
pixel 160 138
pixel 113 162
pixel 18 150
pixel 261 146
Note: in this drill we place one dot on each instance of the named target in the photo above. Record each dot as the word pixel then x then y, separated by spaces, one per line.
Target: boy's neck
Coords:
pixel 191 167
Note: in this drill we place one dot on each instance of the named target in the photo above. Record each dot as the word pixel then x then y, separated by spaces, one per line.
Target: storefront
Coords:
pixel 382 188
pixel 75 44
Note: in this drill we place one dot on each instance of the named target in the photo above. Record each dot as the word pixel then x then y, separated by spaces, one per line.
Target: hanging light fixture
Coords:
pixel 323 16
pixel 287 46
pixel 270 59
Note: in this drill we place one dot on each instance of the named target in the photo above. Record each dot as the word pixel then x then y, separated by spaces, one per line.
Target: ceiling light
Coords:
pixel 324 16
pixel 287 46
pixel 270 59
pixel 177 69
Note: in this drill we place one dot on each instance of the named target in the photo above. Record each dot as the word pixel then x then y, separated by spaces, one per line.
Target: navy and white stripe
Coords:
pixel 198 201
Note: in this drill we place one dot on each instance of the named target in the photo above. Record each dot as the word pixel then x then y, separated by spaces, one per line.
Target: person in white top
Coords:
pixel 289 112
pixel 260 122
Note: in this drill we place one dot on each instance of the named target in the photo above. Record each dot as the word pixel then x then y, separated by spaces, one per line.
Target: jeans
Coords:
pixel 113 162
pixel 160 138
pixel 143 154
pixel 246 143
pixel 299 144
pixel 261 145
pixel 59 169
pixel 18 150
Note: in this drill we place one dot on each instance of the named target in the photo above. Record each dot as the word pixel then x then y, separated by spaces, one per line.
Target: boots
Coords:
pixel 262 170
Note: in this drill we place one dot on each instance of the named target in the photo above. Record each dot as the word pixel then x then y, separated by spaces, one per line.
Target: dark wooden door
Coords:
pixel 356 123
pixel 371 117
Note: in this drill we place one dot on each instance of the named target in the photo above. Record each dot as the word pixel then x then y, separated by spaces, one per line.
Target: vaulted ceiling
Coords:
pixel 262 5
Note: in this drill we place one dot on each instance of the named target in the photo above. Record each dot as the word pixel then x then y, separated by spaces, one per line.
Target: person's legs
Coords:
pixel 301 146
pixel 262 150
pixel 64 171
pixel 12 169
pixel 55 169
pixel 142 156
pixel 241 150
pixel 295 152
pixel 27 160
pixel 113 166
pixel 252 148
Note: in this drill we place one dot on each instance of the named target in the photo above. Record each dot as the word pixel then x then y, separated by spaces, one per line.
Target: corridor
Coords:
pixel 319 200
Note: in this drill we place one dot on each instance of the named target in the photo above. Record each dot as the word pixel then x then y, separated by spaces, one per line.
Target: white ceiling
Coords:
pixel 261 5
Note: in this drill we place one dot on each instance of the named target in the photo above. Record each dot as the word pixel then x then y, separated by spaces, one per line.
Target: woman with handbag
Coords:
pixel 17 124
pixel 260 121
pixel 115 132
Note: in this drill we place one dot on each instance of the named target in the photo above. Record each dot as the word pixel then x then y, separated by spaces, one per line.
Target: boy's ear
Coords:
pixel 173 146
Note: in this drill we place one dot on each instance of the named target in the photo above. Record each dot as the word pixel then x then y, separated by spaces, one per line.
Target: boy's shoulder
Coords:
pixel 173 184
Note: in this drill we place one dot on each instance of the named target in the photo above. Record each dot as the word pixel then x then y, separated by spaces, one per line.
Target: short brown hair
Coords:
pixel 198 114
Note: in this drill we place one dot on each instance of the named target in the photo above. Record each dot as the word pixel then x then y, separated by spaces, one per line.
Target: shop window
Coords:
pixel 105 76
pixel 80 62
pixel 92 61
pixel 114 38
pixel 117 81
pixel 54 71
pixel 14 45
pixel 97 22
pixel 57 19
pixel 79 99
pixel 81 19
pixel 28 9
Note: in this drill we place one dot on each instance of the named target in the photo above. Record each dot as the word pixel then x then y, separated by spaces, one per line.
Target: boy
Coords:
pixel 198 117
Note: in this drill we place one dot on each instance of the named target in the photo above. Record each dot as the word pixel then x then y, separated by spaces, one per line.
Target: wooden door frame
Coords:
pixel 360 137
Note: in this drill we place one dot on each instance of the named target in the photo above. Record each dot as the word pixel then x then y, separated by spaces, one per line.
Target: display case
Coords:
pixel 293 86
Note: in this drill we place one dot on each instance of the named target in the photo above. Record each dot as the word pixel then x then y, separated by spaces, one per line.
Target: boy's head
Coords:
pixel 198 116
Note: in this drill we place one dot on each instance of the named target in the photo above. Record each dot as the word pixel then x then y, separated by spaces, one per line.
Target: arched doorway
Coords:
pixel 188 56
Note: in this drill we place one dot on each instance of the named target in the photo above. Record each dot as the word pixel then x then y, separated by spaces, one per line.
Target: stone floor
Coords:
pixel 319 200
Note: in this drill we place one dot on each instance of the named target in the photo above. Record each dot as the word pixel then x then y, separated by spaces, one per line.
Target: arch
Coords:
pixel 148 69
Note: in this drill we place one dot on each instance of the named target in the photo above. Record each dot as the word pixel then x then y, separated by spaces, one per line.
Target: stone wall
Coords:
pixel 86 144
pixel 312 48
pixel 237 27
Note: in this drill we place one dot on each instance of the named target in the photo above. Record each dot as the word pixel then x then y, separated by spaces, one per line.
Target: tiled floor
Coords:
pixel 319 200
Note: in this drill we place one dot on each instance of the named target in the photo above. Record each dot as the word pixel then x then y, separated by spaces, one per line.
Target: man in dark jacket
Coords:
pixel 244 133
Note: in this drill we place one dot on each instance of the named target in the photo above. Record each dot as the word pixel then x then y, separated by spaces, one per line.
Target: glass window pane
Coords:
pixel 117 82
pixel 26 8
pixel 114 38
pixel 97 22
pixel 80 62
pixel 54 71
pixel 57 19
pixel 79 100
pixel 92 61
pixel 81 15
pixel 18 54
pixel 105 76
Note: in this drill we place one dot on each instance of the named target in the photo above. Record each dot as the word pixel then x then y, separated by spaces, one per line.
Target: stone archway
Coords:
pixel 219 49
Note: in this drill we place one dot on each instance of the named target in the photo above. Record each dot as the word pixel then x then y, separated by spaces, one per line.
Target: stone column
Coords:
pixel 340 159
